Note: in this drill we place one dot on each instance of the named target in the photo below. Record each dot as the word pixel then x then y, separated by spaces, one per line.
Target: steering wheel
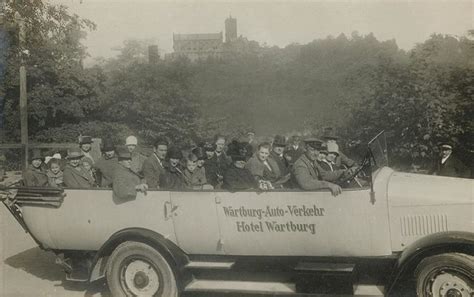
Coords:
pixel 365 163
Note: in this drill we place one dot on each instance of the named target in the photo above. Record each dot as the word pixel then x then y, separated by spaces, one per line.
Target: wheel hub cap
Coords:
pixel 451 285
pixel 141 278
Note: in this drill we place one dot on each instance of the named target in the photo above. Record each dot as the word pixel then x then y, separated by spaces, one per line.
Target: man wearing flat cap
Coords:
pixel 74 175
pixel 105 166
pixel 35 175
pixel 306 171
pixel 126 182
pixel 449 165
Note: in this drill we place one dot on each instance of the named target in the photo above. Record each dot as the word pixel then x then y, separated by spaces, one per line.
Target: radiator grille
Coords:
pixel 423 224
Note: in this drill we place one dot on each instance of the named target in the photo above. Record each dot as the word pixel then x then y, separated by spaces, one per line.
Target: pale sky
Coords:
pixel 273 22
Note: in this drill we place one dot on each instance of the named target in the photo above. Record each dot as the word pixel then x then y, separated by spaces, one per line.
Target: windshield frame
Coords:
pixel 377 148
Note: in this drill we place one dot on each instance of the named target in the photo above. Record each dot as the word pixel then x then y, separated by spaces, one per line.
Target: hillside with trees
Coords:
pixel 356 83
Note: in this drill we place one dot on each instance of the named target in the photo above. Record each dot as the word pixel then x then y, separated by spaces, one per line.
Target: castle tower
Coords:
pixel 230 29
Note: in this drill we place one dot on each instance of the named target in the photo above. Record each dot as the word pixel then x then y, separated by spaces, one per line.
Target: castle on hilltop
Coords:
pixel 203 46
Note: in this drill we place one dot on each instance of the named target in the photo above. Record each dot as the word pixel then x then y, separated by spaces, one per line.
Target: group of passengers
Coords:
pixel 308 164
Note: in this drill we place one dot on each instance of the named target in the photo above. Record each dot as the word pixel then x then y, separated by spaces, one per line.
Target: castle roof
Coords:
pixel 207 36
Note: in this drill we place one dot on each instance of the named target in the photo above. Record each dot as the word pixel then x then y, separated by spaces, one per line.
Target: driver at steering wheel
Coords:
pixel 330 170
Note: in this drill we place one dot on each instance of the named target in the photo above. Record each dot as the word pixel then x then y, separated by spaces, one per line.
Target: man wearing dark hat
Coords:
pixel 74 175
pixel 153 166
pixel 105 166
pixel 294 150
pixel 172 178
pixel 449 165
pixel 85 143
pixel 342 160
pixel 126 182
pixel 306 171
pixel 237 177
pixel 35 175
pixel 277 154
pixel 210 164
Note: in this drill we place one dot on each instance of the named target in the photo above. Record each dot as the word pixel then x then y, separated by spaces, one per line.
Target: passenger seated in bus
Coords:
pixel 105 166
pixel 341 160
pixel 126 182
pixel 172 178
pixel 329 170
pixel 264 170
pixel 74 175
pixel 154 165
pixel 54 173
pixel 194 176
pixel 278 155
pixel 137 157
pixel 306 171
pixel 35 175
pixel 237 177
pixel 87 164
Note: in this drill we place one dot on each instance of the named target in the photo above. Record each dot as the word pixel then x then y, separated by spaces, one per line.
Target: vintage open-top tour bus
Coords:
pixel 365 241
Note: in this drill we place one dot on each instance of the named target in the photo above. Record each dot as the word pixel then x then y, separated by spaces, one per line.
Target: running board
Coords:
pixel 245 287
pixel 325 267
pixel 209 265
pixel 368 290
pixel 272 288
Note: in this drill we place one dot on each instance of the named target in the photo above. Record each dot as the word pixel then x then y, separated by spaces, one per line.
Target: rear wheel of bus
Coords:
pixel 137 269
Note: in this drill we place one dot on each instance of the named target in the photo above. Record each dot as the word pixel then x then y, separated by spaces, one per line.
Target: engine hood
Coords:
pixel 408 189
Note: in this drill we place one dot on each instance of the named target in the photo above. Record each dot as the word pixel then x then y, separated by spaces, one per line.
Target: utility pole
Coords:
pixel 23 95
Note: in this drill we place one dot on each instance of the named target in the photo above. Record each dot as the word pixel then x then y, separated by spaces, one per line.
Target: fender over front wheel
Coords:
pixel 137 269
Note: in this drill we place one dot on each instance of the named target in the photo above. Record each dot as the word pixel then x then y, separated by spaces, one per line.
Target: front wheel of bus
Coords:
pixel 445 275
pixel 137 269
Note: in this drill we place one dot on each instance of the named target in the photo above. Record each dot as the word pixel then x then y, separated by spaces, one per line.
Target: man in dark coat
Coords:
pixel 126 182
pixel 105 166
pixel 35 175
pixel 210 164
pixel 153 166
pixel 74 175
pixel 306 172
pixel 237 177
pixel 449 165
pixel 89 151
pixel 173 178
pixel 294 150
pixel 277 154
pixel 218 164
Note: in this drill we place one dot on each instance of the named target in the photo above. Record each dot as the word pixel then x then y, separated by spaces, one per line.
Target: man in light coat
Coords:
pixel 306 171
